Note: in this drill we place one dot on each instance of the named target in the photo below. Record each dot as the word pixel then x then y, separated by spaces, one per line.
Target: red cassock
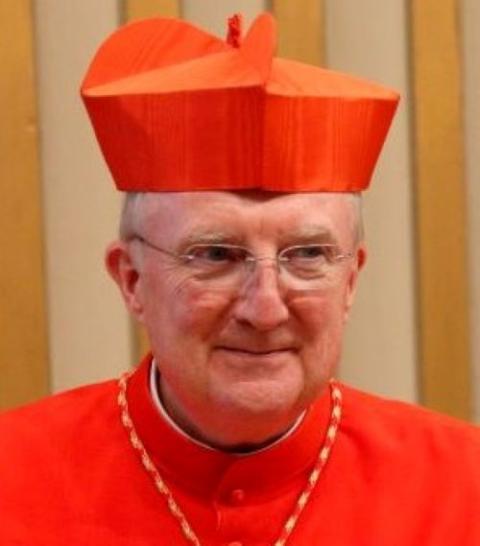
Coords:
pixel 397 476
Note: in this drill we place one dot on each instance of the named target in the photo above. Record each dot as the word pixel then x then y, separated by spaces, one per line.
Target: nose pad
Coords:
pixel 261 300
pixel 260 269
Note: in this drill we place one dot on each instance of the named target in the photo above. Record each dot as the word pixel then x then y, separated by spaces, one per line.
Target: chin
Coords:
pixel 255 415
pixel 267 399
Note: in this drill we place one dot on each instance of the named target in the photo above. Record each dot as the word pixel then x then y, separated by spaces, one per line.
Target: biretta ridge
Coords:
pixel 175 108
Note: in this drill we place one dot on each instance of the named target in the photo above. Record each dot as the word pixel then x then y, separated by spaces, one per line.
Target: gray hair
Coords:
pixel 130 217
pixel 358 227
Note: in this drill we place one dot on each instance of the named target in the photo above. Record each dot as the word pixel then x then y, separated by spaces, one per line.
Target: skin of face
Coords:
pixel 238 367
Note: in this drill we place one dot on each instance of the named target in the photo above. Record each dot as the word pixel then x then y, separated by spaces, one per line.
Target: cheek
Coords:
pixel 322 327
pixel 320 313
pixel 184 310
pixel 200 314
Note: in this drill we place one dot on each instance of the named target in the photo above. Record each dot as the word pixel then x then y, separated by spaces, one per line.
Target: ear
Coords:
pixel 123 269
pixel 358 263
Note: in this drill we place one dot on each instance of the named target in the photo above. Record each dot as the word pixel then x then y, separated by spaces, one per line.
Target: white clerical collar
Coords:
pixel 154 376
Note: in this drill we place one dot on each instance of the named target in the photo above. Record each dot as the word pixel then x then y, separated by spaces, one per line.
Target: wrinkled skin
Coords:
pixel 239 367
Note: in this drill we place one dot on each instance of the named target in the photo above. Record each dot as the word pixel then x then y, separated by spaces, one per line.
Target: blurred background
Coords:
pixel 415 330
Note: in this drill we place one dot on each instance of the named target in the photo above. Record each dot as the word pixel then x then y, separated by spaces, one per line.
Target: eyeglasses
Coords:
pixel 225 266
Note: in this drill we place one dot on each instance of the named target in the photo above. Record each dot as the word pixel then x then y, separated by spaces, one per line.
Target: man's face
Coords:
pixel 259 353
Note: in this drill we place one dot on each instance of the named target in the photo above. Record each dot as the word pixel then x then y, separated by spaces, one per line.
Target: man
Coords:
pixel 232 432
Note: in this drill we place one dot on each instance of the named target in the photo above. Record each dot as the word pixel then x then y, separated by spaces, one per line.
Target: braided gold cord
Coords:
pixel 175 509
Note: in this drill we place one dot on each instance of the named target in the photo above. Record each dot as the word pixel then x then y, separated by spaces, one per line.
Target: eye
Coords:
pixel 308 253
pixel 216 254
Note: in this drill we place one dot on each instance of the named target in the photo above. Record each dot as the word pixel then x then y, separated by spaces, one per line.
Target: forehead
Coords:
pixel 249 214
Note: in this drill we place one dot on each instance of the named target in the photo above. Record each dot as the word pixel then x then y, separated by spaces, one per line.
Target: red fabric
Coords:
pixel 175 108
pixel 398 475
pixel 234 34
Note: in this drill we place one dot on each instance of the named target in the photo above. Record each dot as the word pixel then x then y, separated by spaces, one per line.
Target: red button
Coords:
pixel 237 496
pixel 235 543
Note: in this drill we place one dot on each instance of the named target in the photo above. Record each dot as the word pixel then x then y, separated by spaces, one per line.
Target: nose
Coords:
pixel 261 302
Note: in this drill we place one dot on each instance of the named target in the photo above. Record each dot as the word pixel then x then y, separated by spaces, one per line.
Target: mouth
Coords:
pixel 249 351
pixel 249 363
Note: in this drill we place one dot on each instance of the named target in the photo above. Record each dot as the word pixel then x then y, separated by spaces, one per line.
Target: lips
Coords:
pixel 254 351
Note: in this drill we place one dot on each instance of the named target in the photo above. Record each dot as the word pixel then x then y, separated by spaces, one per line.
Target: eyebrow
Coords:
pixel 308 234
pixel 208 236
pixel 311 233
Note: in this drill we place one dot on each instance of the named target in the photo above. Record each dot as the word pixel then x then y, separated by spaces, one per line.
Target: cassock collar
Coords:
pixel 208 472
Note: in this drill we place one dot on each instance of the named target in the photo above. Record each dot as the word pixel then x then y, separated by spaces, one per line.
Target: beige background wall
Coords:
pixel 368 38
pixel 89 335
pixel 89 332
pixel 212 14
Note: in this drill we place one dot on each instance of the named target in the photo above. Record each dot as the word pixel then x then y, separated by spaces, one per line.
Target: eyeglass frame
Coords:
pixel 250 258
